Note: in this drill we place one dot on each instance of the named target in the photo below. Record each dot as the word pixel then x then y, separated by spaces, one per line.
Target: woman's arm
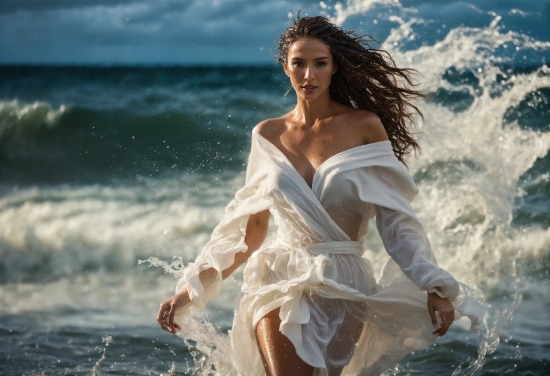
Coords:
pixel 406 242
pixel 256 231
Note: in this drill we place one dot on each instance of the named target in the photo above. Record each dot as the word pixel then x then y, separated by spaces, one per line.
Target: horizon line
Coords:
pixel 138 65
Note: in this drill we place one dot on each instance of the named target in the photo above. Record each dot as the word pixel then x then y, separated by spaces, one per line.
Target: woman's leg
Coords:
pixel 277 352
pixel 334 328
pixel 342 346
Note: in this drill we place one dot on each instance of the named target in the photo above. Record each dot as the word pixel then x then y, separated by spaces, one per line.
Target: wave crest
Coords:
pixel 18 120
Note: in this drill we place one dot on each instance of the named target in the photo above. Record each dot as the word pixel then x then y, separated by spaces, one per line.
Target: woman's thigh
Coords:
pixel 342 346
pixel 334 328
pixel 277 352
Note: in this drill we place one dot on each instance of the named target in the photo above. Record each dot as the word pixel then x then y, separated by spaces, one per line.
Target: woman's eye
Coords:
pixel 321 64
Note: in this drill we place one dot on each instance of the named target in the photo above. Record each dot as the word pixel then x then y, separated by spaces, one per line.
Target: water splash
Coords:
pixel 175 267
pixel 209 347
pixel 474 152
pixel 489 341
pixel 354 7
pixel 95 369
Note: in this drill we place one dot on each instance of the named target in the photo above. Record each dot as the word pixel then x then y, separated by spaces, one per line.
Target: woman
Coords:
pixel 309 302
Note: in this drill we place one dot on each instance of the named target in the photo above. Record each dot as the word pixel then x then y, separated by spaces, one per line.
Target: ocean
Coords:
pixel 101 167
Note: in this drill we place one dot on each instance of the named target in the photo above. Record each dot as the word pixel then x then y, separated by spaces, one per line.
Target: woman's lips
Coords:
pixel 309 88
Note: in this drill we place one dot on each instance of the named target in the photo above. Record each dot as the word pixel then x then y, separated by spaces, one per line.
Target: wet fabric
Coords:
pixel 339 318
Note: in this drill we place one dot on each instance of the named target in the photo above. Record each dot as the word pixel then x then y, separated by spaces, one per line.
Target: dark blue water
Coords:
pixel 101 167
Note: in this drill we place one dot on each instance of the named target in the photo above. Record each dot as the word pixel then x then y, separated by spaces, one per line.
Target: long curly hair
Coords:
pixel 367 78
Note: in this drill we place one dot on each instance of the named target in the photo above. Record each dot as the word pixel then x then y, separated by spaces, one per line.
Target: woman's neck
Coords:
pixel 309 112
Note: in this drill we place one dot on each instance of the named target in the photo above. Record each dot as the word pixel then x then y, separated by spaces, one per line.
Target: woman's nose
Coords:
pixel 308 74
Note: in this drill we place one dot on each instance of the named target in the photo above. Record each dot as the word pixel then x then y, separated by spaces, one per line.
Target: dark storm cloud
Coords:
pixel 141 31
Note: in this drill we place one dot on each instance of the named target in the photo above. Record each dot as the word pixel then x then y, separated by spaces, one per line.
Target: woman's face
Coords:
pixel 310 68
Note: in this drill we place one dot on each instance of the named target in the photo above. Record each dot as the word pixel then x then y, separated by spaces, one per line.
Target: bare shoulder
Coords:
pixel 271 129
pixel 368 126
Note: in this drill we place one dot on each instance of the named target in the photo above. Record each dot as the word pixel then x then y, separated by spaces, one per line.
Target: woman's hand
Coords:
pixel 445 309
pixel 168 309
pixel 256 230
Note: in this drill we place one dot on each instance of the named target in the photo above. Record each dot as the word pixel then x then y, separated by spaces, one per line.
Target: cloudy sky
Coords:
pixel 198 31
pixel 141 31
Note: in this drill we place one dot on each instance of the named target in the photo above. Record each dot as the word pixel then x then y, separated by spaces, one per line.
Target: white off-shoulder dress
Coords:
pixel 331 308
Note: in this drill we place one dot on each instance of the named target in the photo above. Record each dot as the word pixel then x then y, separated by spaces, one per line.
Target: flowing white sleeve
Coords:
pixel 403 235
pixel 228 238
pixel 407 244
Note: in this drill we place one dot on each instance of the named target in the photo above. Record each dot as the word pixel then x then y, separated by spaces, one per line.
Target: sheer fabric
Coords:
pixel 332 309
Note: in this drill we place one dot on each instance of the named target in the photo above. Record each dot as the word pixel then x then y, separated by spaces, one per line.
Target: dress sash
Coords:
pixel 340 248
